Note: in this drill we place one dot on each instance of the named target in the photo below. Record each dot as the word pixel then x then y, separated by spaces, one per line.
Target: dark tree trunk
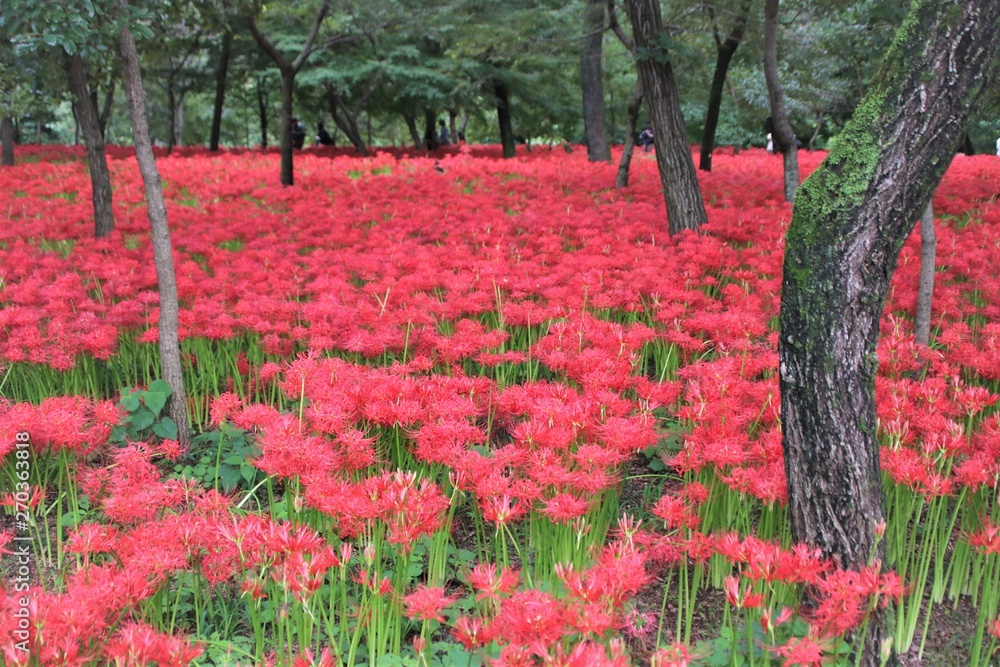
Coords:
pixel 452 115
pixel 221 73
pixel 849 222
pixel 503 118
pixel 262 111
pixel 784 138
pixel 685 208
pixel 7 140
pixel 925 291
pixel 345 120
pixel 287 167
pixel 430 130
pixel 463 126
pixel 724 55
pixel 170 353
pixel 631 122
pixel 592 83
pixel 93 138
pixel 410 118
pixel 288 71
pixel 172 105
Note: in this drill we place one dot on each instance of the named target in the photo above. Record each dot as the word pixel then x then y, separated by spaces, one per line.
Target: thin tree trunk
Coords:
pixel 784 138
pixel 76 125
pixel 262 112
pixel 179 120
pixel 503 118
pixel 287 150
pixel 411 124
pixel 685 208
pixel 452 115
pixel 925 292
pixel 849 221
pixel 819 125
pixel 93 137
pixel 464 126
pixel 7 140
pixel 631 122
pixel 430 130
pixel 221 73
pixel 592 83
pixel 724 57
pixel 172 106
pixel 170 353
pixel 344 120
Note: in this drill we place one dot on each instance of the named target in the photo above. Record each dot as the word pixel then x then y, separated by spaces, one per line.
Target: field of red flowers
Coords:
pixel 461 411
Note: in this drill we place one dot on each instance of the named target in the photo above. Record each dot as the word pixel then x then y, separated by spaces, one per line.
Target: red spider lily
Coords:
pixel 490 583
pixel 426 603
pixel 473 632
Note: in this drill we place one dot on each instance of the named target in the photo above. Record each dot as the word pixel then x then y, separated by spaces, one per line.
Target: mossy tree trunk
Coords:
pixel 849 222
pixel 724 56
pixel 685 207
pixel 784 139
pixel 170 353
pixel 592 82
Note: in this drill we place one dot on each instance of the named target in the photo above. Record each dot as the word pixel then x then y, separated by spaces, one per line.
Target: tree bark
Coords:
pixel 345 120
pixel 592 83
pixel 784 138
pixel 430 130
pixel 724 55
pixel 925 291
pixel 410 118
pixel 93 138
pixel 503 118
pixel 631 122
pixel 221 73
pixel 452 115
pixel 287 149
pixel 685 208
pixel 170 353
pixel 849 222
pixel 262 111
pixel 7 140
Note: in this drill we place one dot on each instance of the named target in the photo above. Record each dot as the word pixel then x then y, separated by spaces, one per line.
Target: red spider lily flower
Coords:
pixel 532 617
pixel 473 632
pixel 675 655
pixel 744 600
pixel 426 603
pixel 490 583
pixel 806 651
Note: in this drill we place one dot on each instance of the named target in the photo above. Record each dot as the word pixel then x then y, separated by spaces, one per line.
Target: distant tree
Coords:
pixel 685 207
pixel 591 82
pixel 725 49
pixel 780 128
pixel 289 69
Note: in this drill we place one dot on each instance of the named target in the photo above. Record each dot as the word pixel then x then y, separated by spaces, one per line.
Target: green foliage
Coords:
pixel 145 416
pixel 221 460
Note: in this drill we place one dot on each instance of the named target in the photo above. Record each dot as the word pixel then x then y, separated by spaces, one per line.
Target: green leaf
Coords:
pixel 248 472
pixel 71 518
pixel 166 429
pixel 142 419
pixel 233 460
pixel 130 402
pixel 155 401
pixel 230 477
pixel 161 387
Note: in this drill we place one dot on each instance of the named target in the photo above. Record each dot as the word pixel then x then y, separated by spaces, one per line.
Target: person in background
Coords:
pixel 770 143
pixel 323 137
pixel 444 139
pixel 646 138
pixel 998 147
pixel 298 133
